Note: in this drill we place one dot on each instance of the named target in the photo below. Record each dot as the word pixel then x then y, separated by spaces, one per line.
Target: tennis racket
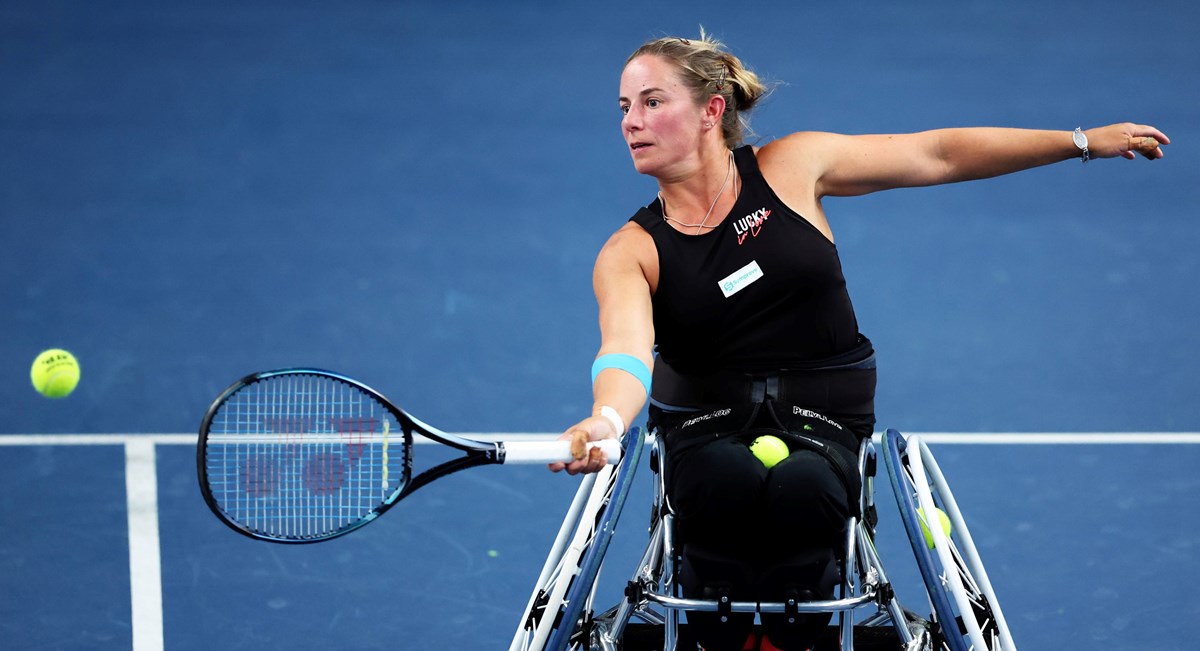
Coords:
pixel 303 455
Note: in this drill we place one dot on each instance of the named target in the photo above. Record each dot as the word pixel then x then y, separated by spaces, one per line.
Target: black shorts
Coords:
pixel 725 498
pixel 749 532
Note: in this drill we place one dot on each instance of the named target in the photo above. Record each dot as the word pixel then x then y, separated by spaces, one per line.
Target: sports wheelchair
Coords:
pixel 963 615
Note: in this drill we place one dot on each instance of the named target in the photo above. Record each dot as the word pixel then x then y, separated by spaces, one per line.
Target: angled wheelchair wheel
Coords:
pixel 965 606
pixel 558 614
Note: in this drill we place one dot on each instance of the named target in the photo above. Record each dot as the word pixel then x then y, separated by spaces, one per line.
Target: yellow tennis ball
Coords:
pixel 55 373
pixel 943 520
pixel 769 449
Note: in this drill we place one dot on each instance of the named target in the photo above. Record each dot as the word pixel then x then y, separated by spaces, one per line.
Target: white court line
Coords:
pixel 975 438
pixel 141 487
pixel 145 566
pixel 95 439
pixel 191 439
pixel 1060 438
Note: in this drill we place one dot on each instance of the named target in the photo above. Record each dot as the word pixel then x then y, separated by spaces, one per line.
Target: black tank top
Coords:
pixel 763 291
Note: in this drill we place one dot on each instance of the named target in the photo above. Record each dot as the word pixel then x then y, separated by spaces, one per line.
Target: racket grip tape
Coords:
pixel 555 451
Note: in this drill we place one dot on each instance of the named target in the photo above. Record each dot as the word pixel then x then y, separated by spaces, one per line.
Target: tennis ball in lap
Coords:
pixel 769 449
pixel 55 373
pixel 943 520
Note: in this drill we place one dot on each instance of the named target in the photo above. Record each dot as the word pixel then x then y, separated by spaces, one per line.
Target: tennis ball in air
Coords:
pixel 769 449
pixel 55 373
pixel 943 520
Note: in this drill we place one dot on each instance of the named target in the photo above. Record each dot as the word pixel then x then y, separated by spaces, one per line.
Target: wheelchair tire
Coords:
pixel 966 610
pixel 583 586
pixel 558 617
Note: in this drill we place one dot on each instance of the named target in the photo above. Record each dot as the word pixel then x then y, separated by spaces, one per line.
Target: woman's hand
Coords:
pixel 595 428
pixel 1126 140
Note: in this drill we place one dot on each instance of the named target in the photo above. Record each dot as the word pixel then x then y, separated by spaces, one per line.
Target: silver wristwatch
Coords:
pixel 1081 142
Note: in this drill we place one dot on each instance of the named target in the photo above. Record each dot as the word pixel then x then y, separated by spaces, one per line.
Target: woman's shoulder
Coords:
pixel 795 160
pixel 630 239
pixel 630 249
pixel 796 146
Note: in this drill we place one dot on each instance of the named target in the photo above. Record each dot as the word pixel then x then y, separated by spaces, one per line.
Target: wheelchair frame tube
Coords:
pixel 650 558
pixel 893 605
pixel 701 605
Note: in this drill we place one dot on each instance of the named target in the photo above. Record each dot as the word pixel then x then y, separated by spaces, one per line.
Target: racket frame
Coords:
pixel 477 453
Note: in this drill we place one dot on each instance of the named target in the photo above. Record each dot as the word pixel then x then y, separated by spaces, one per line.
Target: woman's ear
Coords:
pixel 714 110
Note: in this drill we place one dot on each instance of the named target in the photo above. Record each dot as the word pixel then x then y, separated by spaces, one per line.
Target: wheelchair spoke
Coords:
pixel 980 605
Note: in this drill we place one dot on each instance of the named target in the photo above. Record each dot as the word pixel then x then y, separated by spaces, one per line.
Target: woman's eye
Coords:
pixel 652 103
pixel 624 109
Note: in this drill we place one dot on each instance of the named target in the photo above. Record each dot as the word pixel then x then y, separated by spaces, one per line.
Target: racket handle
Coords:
pixel 552 451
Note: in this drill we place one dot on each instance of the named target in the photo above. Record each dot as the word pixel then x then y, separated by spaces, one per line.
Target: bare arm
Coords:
pixel 626 327
pixel 838 165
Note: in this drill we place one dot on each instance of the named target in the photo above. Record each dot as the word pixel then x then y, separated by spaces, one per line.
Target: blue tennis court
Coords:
pixel 413 193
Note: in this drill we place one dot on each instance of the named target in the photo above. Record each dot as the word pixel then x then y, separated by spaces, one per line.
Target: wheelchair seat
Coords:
pixel 561 613
pixel 654 596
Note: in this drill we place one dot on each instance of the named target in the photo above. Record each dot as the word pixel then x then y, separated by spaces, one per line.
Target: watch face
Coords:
pixel 1080 139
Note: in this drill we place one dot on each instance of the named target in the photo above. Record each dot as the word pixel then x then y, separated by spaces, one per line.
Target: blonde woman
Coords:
pixel 723 302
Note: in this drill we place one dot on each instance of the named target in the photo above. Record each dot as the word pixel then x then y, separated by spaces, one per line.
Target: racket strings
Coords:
pixel 303 456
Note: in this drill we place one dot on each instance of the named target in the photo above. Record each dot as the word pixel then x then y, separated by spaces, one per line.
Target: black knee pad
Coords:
pixel 806 576
pixel 704 574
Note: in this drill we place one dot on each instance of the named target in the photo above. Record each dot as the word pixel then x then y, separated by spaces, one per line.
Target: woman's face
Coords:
pixel 661 121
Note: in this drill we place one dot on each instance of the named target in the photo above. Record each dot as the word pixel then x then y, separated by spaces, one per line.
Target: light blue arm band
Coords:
pixel 628 363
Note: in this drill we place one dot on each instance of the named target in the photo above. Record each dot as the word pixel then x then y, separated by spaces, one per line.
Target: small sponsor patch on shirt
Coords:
pixel 738 280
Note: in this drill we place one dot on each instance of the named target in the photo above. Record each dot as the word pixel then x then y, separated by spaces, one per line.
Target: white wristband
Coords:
pixel 614 418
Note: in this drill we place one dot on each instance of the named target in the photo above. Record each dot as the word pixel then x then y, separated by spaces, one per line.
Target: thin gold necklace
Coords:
pixel 704 222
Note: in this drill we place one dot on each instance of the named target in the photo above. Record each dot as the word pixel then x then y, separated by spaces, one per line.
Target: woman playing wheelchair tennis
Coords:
pixel 728 285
